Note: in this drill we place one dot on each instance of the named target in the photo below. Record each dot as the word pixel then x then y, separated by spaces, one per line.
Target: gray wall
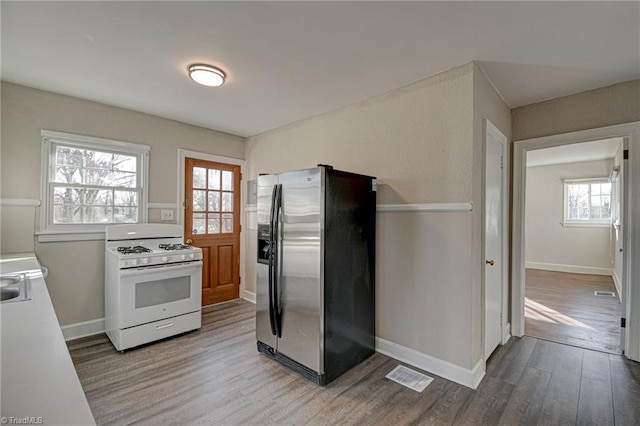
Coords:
pixel 601 107
pixel 551 246
pixel 76 269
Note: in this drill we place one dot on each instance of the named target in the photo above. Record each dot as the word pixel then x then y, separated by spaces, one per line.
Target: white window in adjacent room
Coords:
pixel 587 202
pixel 88 183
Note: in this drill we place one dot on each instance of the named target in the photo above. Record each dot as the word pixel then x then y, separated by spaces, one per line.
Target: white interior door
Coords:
pixel 493 239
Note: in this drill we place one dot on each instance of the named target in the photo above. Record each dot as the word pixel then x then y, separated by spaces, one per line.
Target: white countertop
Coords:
pixel 38 379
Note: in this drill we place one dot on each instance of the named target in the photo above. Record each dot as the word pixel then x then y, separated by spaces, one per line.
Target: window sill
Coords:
pixel 585 225
pixel 59 236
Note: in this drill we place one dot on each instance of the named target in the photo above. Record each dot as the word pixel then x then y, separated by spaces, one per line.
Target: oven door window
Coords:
pixel 162 291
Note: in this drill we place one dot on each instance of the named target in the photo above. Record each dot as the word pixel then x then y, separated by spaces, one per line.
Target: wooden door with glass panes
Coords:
pixel 212 222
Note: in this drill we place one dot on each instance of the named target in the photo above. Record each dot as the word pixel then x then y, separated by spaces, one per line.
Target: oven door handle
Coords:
pixel 165 268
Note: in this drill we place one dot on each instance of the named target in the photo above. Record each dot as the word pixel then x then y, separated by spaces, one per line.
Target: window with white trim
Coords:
pixel 90 182
pixel 587 201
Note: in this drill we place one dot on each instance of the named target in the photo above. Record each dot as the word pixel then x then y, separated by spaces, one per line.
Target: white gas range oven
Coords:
pixel 153 284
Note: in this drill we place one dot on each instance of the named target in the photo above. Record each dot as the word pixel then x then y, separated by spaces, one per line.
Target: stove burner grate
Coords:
pixel 174 247
pixel 134 250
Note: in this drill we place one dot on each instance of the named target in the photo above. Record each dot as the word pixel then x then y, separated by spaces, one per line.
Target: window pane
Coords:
pixel 578 201
pixel 199 177
pixel 199 201
pixel 69 156
pixel 104 177
pixel 227 180
pixel 66 214
pixel 198 223
pixel 227 222
pixel 214 201
pixel 98 197
pixel 125 163
pixel 125 214
pixel 125 198
pixel 227 201
pixel 606 188
pixel 64 195
pixel 214 179
pixel 98 214
pixel 68 174
pixel 214 224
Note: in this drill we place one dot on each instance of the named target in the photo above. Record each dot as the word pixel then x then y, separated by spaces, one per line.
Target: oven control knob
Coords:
pixel 144 260
pixel 165 258
pixel 134 261
pixel 183 256
pixel 191 255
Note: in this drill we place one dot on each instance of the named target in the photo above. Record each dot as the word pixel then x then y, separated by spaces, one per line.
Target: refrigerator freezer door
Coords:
pixel 266 184
pixel 301 284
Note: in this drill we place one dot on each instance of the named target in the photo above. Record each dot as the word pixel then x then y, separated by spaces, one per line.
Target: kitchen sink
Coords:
pixel 14 288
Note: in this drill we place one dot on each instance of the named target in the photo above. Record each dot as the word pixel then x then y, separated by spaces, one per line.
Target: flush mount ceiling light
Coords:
pixel 206 75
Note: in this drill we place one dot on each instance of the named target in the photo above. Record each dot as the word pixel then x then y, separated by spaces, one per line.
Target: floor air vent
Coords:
pixel 604 293
pixel 409 378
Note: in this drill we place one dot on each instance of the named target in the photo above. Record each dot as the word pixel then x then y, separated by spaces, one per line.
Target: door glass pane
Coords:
pixel 214 179
pixel 214 224
pixel 199 177
pixel 198 223
pixel 227 180
pixel 227 201
pixel 199 203
pixel 214 201
pixel 227 222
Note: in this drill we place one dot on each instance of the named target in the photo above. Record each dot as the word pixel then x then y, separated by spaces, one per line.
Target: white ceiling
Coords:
pixel 574 153
pixel 290 60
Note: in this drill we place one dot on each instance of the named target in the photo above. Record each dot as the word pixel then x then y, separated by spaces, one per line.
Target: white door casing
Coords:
pixel 630 132
pixel 494 202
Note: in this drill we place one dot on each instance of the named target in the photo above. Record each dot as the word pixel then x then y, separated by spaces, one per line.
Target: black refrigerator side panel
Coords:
pixel 349 271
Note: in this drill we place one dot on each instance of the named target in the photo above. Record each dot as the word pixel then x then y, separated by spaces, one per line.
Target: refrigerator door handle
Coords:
pixel 271 259
pixel 278 262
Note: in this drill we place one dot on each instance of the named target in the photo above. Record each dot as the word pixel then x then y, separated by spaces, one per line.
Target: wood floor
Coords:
pixel 562 307
pixel 215 376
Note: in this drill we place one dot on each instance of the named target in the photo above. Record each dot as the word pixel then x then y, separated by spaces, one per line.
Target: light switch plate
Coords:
pixel 167 214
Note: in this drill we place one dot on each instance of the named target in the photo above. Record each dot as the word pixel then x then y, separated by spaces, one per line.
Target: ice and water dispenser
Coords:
pixel 264 247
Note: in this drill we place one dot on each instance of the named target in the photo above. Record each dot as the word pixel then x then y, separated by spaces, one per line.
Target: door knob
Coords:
pixel 489 262
pixel 189 241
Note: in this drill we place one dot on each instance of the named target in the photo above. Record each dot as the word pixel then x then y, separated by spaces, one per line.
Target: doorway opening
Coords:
pixel 629 212
pixel 572 224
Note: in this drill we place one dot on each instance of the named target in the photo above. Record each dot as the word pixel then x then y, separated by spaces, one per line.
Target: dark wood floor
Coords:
pixel 216 376
pixel 562 307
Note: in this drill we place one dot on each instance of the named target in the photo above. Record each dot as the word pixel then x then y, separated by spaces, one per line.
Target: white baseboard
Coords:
pixel 249 296
pixel 469 378
pixel 618 284
pixel 569 268
pixel 83 329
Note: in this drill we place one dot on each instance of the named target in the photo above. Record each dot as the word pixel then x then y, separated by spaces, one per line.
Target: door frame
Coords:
pixel 631 253
pixel 185 153
pixel 490 130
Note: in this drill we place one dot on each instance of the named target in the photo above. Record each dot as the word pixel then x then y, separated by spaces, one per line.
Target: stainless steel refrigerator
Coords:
pixel 315 301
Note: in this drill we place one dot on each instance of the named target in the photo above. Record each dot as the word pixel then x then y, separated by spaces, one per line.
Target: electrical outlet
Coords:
pixel 167 214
